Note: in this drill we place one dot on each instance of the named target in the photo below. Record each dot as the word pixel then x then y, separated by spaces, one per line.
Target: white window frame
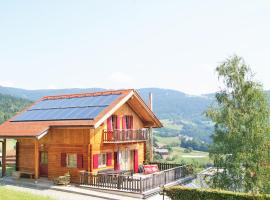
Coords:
pixel 102 160
pixel 68 161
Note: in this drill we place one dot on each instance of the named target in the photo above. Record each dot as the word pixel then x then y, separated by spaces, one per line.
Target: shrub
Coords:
pixel 183 193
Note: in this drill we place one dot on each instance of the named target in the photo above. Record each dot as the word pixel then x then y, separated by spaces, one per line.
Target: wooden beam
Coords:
pixel 17 156
pixel 36 160
pixel 89 158
pixel 4 150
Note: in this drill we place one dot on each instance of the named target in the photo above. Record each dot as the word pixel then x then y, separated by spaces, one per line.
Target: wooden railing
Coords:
pixel 164 166
pixel 137 184
pixel 129 135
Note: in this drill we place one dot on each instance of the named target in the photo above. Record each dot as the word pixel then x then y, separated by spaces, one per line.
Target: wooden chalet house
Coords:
pixel 88 131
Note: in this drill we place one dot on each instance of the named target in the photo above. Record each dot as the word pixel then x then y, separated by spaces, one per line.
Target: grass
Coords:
pixel 198 159
pixel 202 158
pixel 178 155
pixel 10 194
pixel 169 124
pixel 172 141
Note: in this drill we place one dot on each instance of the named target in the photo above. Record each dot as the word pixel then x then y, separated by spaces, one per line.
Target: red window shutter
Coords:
pixel 109 128
pixel 109 124
pixel 63 159
pixel 136 161
pixel 109 159
pixel 95 161
pixel 124 123
pixel 118 122
pixel 79 161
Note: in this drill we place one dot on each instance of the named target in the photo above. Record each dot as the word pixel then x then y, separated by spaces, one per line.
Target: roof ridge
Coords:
pixel 87 94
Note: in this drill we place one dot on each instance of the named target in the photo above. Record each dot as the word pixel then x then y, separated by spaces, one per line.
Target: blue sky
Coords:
pixel 129 43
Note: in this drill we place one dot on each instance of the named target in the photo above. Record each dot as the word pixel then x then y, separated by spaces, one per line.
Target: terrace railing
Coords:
pixel 164 166
pixel 128 135
pixel 136 184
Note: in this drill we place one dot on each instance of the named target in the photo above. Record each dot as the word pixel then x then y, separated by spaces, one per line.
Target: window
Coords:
pixel 114 122
pixel 129 121
pixel 44 158
pixel 72 160
pixel 102 159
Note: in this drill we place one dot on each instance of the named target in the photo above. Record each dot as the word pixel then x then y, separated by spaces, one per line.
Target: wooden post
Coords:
pixel 4 145
pixel 89 156
pixel 36 160
pixel 17 156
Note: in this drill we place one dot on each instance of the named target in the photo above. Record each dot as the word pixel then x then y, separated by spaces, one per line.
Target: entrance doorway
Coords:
pixel 43 163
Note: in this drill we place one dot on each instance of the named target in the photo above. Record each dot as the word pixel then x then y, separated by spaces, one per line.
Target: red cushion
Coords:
pixel 150 169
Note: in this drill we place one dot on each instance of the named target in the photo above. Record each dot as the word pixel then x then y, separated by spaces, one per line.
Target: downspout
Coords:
pixel 151 137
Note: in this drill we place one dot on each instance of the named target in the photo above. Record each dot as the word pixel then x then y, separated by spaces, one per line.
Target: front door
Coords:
pixel 43 163
pixel 126 159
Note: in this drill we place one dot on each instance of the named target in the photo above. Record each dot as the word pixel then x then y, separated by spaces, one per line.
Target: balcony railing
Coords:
pixel 129 135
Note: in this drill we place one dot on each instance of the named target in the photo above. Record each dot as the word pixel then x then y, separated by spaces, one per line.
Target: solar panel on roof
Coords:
pixel 78 108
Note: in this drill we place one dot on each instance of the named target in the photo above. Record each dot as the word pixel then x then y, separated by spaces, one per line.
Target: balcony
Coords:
pixel 123 136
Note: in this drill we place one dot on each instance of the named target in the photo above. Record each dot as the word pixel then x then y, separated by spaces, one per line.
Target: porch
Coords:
pixel 170 174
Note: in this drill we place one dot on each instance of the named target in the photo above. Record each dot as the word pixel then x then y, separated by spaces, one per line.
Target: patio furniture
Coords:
pixel 62 180
pixel 18 174
pixel 150 169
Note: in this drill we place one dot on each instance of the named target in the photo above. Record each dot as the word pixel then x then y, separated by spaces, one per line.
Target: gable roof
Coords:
pixel 85 109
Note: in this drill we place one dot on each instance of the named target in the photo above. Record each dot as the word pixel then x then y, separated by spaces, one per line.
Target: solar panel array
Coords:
pixel 77 108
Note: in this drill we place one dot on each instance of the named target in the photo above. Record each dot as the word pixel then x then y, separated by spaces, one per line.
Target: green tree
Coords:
pixel 240 140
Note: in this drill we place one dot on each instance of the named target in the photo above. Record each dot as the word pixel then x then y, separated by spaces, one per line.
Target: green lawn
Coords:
pixel 177 155
pixel 200 157
pixel 9 194
pixel 169 124
pixel 162 141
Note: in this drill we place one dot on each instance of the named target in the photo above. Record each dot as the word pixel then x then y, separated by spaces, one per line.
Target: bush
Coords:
pixel 183 193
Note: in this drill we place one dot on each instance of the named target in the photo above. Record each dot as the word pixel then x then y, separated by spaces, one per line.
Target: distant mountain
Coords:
pixel 179 112
pixel 36 94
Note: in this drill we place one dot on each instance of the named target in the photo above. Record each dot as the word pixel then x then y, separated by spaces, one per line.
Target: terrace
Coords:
pixel 169 174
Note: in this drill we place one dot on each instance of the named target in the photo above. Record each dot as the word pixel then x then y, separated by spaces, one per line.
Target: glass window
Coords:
pixel 72 160
pixel 102 158
pixel 114 122
pixel 129 121
pixel 44 158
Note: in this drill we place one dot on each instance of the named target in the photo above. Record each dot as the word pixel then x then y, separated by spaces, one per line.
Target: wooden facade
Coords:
pixel 85 141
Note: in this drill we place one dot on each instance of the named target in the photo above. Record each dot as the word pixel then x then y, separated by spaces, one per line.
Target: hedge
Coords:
pixel 184 193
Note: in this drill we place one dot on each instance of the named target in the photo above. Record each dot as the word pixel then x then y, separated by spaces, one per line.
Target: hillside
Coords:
pixel 179 112
pixel 10 105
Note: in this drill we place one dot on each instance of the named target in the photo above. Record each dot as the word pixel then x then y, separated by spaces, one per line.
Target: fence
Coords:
pixel 116 136
pixel 133 183
pixel 165 166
